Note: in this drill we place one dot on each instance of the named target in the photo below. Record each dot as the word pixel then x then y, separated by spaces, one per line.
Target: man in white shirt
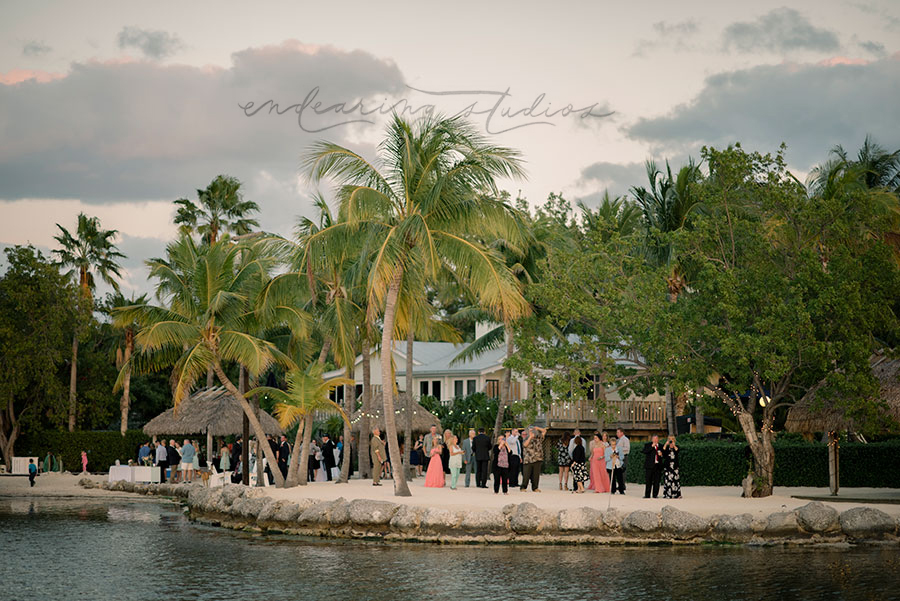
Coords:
pixel 624 447
pixel 515 459
pixel 161 462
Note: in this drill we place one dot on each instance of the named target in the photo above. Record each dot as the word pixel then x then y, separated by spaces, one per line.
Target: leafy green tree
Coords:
pixel 220 209
pixel 36 305
pixel 124 348
pixel 436 186
pixel 89 251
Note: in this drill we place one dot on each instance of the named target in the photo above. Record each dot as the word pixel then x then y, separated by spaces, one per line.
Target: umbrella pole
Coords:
pixel 209 446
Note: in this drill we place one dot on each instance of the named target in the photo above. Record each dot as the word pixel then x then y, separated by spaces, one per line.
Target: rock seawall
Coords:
pixel 244 508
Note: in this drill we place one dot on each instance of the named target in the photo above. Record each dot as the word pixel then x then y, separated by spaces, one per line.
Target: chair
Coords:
pixel 217 478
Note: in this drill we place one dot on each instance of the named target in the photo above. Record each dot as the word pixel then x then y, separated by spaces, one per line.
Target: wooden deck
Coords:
pixel 631 415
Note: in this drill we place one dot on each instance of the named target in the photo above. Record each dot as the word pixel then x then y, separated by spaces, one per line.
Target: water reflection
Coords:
pixel 141 550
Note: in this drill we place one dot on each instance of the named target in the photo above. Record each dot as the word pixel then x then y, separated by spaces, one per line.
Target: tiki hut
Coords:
pixel 422 420
pixel 210 411
pixel 806 418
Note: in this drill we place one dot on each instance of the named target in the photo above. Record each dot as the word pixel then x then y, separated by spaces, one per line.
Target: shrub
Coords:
pixel 103 448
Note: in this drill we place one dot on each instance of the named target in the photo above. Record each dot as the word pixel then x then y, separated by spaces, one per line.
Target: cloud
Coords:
pixel 874 48
pixel 888 20
pixel 779 30
pixel 35 48
pixel 154 44
pixel 678 36
pixel 618 178
pixel 15 76
pixel 811 107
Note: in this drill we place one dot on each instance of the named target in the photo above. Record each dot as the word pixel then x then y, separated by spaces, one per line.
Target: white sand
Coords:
pixel 701 500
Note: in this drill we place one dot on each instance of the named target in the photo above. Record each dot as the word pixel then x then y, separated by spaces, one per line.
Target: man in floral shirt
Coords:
pixel 533 460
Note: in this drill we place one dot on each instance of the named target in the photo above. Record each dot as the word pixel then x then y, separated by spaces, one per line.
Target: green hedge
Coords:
pixel 717 463
pixel 103 448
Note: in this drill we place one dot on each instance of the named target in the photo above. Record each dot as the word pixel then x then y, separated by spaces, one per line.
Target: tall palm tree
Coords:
pixel 419 211
pixel 90 251
pixel 307 392
pixel 220 209
pixel 206 322
pixel 124 349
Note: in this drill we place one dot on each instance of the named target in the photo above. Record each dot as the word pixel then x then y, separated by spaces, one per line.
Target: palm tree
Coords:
pixel 418 212
pixel 90 251
pixel 124 349
pixel 208 290
pixel 307 392
pixel 220 209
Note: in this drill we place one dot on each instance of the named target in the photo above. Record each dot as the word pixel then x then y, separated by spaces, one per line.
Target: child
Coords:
pixel 32 471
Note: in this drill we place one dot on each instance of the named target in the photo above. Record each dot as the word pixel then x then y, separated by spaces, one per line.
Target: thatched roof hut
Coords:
pixel 422 420
pixel 804 418
pixel 211 411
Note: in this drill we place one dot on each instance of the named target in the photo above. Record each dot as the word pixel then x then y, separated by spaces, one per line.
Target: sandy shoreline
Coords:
pixel 704 501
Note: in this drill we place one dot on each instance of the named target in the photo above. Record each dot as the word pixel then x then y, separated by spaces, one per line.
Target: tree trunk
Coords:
pixel 670 411
pixel 364 467
pixel 293 477
pixel 505 385
pixel 9 422
pixel 408 406
pixel 254 423
pixel 303 474
pixel 698 417
pixel 245 435
pixel 209 378
pixel 73 382
pixel 762 470
pixel 349 408
pixel 125 403
pixel 401 489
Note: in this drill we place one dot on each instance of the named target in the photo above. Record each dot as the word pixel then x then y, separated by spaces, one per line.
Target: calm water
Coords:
pixel 144 550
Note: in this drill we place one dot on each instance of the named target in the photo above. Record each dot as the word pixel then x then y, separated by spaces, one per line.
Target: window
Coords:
pixel 492 389
pixel 423 388
pixel 436 389
pixel 359 388
pixel 470 387
pixel 457 389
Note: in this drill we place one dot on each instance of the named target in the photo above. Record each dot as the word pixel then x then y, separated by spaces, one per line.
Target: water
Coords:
pixel 100 550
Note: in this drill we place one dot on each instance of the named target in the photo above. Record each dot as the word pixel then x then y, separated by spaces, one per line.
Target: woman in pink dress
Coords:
pixel 599 477
pixel 434 477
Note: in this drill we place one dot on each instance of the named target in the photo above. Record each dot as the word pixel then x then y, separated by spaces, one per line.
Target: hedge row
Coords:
pixel 796 464
pixel 103 448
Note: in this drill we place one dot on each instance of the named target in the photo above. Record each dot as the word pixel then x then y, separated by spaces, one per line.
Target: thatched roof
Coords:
pixel 210 409
pixel 422 420
pixel 803 418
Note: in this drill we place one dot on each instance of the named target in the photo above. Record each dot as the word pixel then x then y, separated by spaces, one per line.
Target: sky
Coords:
pixel 117 109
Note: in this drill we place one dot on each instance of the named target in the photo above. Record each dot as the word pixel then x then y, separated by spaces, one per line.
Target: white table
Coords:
pixel 144 473
pixel 120 472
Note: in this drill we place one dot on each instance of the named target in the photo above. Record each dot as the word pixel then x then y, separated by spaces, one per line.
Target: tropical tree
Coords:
pixel 436 186
pixel 220 209
pixel 124 348
pixel 208 290
pixel 91 251
pixel 307 392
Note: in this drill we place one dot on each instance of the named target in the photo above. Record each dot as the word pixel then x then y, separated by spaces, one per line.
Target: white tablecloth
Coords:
pixel 146 474
pixel 120 472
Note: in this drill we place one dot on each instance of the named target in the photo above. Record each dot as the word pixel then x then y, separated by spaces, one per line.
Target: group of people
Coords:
pixel 183 460
pixel 598 465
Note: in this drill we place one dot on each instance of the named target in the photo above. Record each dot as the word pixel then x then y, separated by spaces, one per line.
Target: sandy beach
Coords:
pixel 704 501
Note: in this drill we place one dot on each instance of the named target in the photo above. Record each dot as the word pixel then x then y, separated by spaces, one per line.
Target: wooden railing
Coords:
pixel 618 413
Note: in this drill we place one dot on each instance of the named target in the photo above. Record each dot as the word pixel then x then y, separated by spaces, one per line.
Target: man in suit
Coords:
pixel 327 456
pixel 481 445
pixel 376 452
pixel 515 458
pixel 469 457
pixel 284 451
pixel 652 466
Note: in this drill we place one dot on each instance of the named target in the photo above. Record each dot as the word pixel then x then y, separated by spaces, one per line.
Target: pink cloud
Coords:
pixel 843 60
pixel 19 75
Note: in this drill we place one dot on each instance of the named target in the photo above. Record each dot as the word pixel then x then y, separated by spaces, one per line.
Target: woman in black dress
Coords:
pixel 563 460
pixel 671 474
pixel 579 465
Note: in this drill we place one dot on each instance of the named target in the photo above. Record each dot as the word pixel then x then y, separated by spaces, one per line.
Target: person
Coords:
pixel 188 454
pixel 599 477
pixel 415 455
pixel 456 459
pixel 84 462
pixel 429 441
pixel 284 452
pixel 533 458
pixel 386 466
pixel 579 466
pixel 671 476
pixel 481 446
pixel 32 471
pixel 144 454
pixel 327 456
pixel 445 455
pixel 173 459
pixel 500 465
pixel 376 453
pixel 469 457
pixel 614 467
pixel 564 459
pixel 237 452
pixel 652 467
pixel 515 457
pixel 224 458
pixel 623 445
pixel 162 460
pixel 198 452
pixel 434 476
pixel 312 462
